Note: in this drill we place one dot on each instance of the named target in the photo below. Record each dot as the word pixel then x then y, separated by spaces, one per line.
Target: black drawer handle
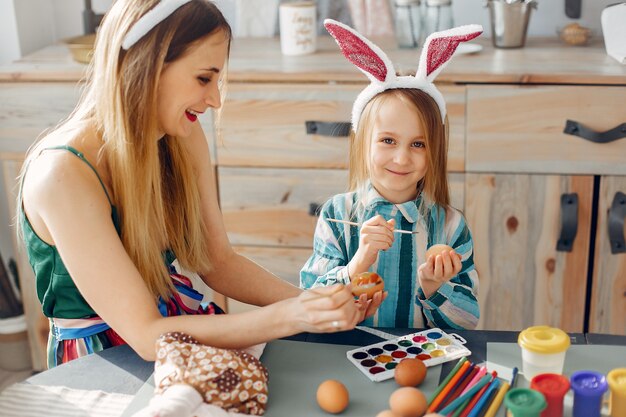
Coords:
pixel 569 222
pixel 314 209
pixel 338 129
pixel 577 129
pixel 616 216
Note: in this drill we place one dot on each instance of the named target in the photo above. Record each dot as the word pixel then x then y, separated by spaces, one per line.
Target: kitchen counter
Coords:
pixel 541 61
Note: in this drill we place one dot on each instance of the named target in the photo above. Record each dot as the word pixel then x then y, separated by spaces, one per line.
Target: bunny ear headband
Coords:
pixel 374 63
pixel 149 20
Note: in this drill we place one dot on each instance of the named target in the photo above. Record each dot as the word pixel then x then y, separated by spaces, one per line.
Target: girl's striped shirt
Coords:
pixel 453 306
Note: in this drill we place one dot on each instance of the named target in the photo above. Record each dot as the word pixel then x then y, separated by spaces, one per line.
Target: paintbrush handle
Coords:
pixel 408 232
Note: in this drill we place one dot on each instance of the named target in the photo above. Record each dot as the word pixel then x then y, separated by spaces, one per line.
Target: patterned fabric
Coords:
pixel 72 338
pixel 231 379
pixel 453 306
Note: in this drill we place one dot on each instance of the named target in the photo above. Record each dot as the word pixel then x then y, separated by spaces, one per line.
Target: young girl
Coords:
pixel 398 183
pixel 124 185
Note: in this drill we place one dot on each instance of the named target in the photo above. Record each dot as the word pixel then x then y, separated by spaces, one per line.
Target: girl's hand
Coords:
pixel 376 235
pixel 437 270
pixel 367 307
pixel 326 309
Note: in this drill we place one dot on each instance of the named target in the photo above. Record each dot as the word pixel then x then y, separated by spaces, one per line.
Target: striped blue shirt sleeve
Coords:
pixel 455 304
pixel 328 263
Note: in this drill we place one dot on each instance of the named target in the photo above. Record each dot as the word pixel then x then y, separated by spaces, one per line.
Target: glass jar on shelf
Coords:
pixel 408 23
pixel 438 16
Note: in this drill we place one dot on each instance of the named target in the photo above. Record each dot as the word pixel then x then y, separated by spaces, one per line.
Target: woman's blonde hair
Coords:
pixel 154 187
pixel 434 186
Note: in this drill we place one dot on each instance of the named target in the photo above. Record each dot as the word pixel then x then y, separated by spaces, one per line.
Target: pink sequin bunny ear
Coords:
pixel 439 48
pixel 368 57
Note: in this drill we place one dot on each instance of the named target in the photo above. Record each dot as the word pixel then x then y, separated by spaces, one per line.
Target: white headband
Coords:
pixel 149 20
pixel 373 62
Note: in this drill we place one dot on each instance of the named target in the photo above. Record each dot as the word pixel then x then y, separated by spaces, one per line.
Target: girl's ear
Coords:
pixel 368 57
pixel 440 46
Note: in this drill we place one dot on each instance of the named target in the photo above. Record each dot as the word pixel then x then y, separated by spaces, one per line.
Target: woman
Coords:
pixel 112 193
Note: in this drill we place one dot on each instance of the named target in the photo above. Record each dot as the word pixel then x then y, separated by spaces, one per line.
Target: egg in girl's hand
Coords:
pixel 410 372
pixel 435 250
pixel 332 396
pixel 367 283
pixel 408 402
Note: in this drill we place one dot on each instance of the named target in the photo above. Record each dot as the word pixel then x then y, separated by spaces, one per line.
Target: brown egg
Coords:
pixel 408 402
pixel 332 396
pixel 410 372
pixel 387 413
pixel 435 250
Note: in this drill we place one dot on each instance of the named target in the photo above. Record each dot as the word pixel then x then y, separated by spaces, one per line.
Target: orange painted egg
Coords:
pixel 367 283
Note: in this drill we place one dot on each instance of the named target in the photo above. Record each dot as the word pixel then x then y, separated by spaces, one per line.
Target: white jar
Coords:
pixel 298 28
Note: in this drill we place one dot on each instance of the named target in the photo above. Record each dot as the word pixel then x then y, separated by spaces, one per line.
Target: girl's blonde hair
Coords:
pixel 154 186
pixel 434 186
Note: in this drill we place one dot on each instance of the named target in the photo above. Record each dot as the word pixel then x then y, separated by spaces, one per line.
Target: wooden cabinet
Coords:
pixel 521 169
pixel 608 287
pixel 524 279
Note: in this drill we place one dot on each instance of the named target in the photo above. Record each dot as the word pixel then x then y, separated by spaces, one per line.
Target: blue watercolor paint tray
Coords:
pixel 432 346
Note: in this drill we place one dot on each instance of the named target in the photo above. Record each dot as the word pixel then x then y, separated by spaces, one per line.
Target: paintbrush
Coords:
pixel 408 232
pixel 321 295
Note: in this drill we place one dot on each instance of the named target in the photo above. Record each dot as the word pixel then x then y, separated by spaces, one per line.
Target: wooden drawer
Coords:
pixel 263 125
pixel 283 262
pixel 520 129
pixel 270 207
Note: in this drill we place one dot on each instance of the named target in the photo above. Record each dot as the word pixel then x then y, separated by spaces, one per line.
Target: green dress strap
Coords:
pixel 82 156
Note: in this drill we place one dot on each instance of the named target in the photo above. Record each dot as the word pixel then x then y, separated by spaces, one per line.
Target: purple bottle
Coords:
pixel 588 387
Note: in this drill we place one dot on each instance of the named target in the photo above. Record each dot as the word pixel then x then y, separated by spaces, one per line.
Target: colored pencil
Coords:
pixel 447 379
pixel 495 404
pixel 458 401
pixel 468 407
pixel 481 372
pixel 460 386
pixel 514 377
pixel 435 404
pixel 483 403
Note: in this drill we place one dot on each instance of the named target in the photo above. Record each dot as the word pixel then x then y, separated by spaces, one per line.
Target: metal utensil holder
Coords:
pixel 509 22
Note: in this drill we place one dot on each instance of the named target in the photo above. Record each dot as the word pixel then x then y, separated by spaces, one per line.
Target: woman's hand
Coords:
pixel 376 235
pixel 437 270
pixel 367 307
pixel 326 309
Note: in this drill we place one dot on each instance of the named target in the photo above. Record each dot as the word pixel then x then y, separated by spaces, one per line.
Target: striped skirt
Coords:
pixel 72 338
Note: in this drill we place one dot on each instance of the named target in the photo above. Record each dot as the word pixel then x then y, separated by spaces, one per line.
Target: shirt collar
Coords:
pixel 409 209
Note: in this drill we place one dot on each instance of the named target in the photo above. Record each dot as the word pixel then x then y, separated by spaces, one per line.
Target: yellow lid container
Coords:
pixel 617 383
pixel 544 339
